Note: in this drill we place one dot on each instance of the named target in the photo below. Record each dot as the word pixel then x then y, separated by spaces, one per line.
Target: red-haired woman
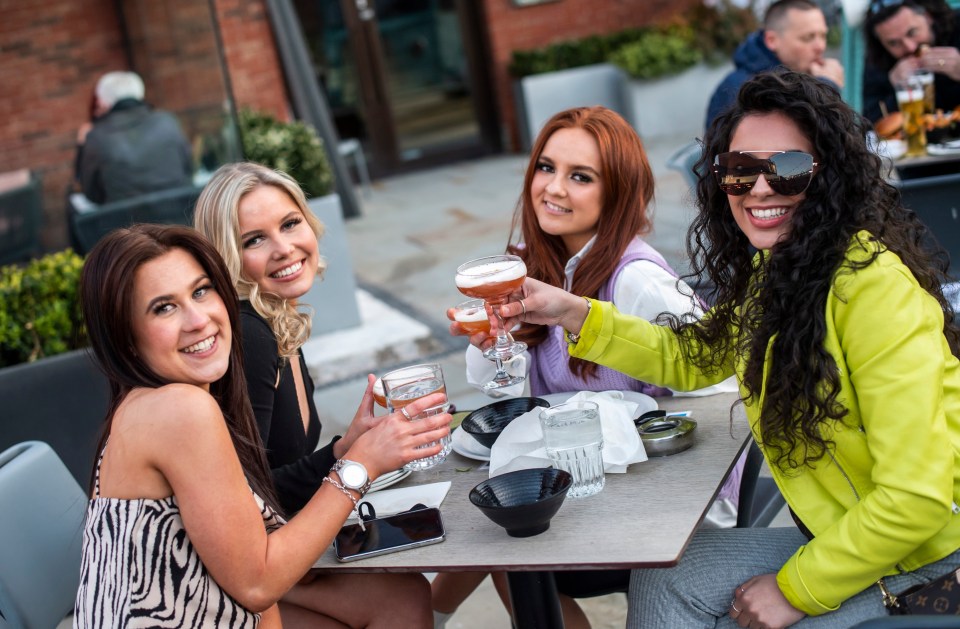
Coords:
pixel 581 217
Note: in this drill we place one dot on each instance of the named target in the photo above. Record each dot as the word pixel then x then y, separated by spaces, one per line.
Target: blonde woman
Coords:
pixel 259 222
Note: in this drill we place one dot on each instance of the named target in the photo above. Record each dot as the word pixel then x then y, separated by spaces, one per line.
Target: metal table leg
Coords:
pixel 533 596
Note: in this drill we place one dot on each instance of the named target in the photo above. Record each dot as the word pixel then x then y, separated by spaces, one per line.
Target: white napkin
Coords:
pixel 520 445
pixel 390 501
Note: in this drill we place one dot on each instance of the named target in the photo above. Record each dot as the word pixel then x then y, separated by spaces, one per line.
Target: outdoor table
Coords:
pixel 643 518
pixel 926 166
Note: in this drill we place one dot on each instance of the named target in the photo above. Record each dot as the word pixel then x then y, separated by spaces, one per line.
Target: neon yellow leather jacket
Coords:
pixel 885 500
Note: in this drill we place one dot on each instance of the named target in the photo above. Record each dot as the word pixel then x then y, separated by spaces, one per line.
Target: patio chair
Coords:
pixel 910 622
pixel 174 206
pixel 936 200
pixel 760 498
pixel 41 528
pixel 20 216
pixel 684 159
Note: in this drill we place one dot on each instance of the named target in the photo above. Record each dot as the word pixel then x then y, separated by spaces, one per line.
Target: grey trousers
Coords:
pixel 697 591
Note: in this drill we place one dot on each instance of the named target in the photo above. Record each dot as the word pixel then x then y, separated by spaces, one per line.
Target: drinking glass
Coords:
pixel 574 442
pixel 911 98
pixel 493 279
pixel 472 316
pixel 409 384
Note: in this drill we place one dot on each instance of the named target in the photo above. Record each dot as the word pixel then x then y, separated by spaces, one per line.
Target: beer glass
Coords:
pixel 409 384
pixel 493 279
pixel 911 98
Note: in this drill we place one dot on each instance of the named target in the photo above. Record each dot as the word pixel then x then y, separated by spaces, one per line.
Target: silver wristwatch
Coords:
pixel 353 475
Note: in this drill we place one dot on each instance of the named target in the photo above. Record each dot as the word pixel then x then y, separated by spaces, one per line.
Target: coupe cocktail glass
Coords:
pixel 493 279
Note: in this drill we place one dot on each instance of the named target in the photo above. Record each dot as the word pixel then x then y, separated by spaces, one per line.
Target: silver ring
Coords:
pixel 403 411
pixel 734 607
pixel 524 306
pixel 742 591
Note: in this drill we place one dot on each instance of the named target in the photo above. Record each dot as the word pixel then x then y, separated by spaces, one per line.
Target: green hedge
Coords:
pixel 291 147
pixel 708 33
pixel 40 308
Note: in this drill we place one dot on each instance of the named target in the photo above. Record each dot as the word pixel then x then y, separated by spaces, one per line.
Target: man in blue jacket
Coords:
pixel 794 35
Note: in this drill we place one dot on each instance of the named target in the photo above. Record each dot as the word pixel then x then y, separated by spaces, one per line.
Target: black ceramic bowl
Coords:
pixel 485 424
pixel 523 502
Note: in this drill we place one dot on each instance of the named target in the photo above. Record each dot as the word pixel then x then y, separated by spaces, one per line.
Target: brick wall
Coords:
pixel 521 28
pixel 53 51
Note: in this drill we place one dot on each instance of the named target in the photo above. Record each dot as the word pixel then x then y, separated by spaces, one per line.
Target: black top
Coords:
pixel 877 87
pixel 297 469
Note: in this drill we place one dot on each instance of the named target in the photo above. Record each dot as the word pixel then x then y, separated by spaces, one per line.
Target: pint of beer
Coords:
pixel 911 100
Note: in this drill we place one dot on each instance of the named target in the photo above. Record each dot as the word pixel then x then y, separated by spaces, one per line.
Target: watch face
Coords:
pixel 353 475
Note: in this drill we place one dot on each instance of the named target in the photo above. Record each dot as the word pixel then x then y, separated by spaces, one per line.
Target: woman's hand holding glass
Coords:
pixel 543 304
pixel 393 440
pixel 363 420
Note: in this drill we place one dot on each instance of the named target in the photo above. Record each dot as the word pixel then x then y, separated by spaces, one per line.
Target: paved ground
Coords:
pixel 415 230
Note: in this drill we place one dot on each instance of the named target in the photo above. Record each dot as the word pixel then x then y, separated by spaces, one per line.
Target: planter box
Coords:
pixel 539 96
pixel 334 300
pixel 673 105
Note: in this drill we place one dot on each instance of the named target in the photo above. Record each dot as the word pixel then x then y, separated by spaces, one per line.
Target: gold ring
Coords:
pixel 734 607
pixel 942 63
pixel 403 411
pixel 524 306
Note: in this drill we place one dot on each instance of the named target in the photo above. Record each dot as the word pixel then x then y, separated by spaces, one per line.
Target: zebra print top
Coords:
pixel 139 568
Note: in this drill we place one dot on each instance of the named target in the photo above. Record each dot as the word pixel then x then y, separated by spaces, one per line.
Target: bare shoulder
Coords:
pixel 170 410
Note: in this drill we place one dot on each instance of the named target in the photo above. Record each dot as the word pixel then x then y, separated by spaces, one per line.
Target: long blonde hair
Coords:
pixel 216 216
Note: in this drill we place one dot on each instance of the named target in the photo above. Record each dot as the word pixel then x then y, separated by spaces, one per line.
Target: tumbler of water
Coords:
pixel 574 442
pixel 406 385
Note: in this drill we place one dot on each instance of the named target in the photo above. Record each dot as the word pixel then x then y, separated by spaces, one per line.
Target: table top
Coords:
pixel 643 518
pixel 926 165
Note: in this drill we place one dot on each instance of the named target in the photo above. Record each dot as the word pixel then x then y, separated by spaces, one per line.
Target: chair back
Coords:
pixel 174 207
pixel 41 536
pixel 760 498
pixel 20 216
pixel 936 200
pixel 683 161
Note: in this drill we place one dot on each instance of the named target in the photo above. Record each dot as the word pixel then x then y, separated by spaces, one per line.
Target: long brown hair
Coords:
pixel 106 290
pixel 627 192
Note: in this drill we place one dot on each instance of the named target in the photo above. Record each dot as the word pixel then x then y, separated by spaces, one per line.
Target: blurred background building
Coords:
pixel 417 82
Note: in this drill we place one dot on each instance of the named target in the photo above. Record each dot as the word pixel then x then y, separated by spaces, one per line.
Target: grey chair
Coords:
pixel 936 200
pixel 174 206
pixel 41 536
pixel 910 622
pixel 20 216
pixel 684 159
pixel 760 498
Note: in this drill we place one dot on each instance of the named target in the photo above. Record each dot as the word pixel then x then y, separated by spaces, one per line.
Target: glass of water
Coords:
pixel 574 442
pixel 406 385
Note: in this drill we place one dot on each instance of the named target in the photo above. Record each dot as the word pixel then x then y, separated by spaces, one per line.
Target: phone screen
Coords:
pixel 388 534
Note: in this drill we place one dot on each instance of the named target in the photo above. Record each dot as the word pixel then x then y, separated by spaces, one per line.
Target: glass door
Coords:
pixel 400 76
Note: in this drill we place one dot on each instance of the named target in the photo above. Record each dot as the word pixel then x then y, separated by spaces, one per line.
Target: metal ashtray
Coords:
pixel 664 434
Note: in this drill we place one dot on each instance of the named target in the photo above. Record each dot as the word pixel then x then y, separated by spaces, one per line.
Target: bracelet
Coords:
pixel 346 492
pixel 572 338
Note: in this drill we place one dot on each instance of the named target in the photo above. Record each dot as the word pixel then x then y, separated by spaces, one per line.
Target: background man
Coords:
pixel 907 35
pixel 794 35
pixel 131 149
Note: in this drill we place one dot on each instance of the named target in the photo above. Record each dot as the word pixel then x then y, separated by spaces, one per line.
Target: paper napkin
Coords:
pixel 520 445
pixel 390 501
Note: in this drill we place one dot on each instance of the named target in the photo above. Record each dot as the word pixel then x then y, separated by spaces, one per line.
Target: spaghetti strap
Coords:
pixel 96 475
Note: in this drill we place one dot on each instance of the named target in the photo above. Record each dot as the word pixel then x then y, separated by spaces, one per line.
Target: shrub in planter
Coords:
pixel 658 53
pixel 40 308
pixel 291 147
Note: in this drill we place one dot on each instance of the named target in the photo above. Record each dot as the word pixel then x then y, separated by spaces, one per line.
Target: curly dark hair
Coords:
pixel 941 17
pixel 781 294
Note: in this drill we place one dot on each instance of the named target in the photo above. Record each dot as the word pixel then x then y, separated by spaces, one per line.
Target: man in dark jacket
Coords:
pixel 794 35
pixel 131 148
pixel 907 35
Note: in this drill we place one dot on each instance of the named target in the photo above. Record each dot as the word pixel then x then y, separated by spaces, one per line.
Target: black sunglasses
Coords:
pixel 787 172
pixel 879 5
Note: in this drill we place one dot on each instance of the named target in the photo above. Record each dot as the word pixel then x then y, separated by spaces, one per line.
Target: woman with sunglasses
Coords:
pixel 831 315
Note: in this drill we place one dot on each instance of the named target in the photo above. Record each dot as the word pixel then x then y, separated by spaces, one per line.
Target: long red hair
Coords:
pixel 627 182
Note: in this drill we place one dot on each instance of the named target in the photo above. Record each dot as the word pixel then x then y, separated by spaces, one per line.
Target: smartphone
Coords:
pixel 409 529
